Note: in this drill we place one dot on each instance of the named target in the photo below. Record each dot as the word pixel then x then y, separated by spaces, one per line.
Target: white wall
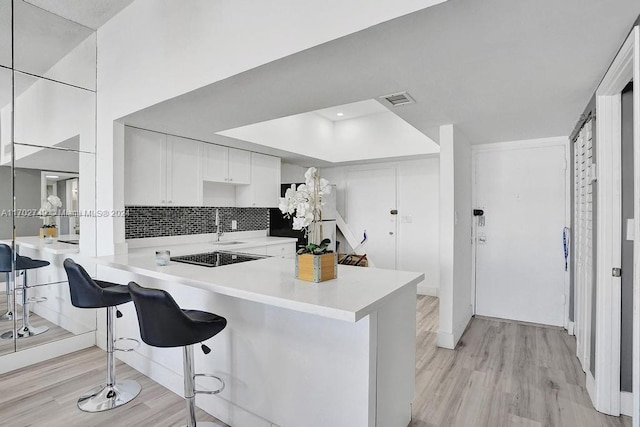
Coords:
pixel 179 49
pixel 290 173
pixel 417 193
pixel 455 236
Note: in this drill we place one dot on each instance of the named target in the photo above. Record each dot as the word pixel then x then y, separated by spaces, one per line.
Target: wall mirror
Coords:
pixel 49 200
pixel 47 146
pixel 50 46
pixel 5 33
pixel 6 205
pixel 53 114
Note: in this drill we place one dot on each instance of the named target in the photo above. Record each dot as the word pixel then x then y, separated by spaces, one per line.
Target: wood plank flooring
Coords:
pixel 502 374
pixel 46 395
pixel 54 333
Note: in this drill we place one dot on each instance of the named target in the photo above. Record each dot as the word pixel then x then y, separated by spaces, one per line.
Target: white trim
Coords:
pixel 636 250
pixel 608 253
pixel 521 145
pixel 424 289
pixel 591 386
pixel 570 328
pixel 447 340
pixel 30 356
pixel 626 403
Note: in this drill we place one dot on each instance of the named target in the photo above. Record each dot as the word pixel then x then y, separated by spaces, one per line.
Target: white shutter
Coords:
pixel 583 229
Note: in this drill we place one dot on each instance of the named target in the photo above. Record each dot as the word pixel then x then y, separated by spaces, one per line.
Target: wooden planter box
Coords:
pixel 317 268
pixel 48 232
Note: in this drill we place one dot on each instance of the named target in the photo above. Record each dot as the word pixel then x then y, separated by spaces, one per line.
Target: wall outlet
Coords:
pixel 234 224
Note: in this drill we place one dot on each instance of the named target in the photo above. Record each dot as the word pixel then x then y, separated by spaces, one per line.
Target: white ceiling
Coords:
pixel 352 110
pixel 499 70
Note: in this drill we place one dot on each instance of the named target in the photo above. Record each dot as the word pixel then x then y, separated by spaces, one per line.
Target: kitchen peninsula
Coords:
pixel 339 353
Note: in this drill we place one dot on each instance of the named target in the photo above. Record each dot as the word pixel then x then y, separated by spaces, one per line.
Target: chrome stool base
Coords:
pixel 203 424
pixel 104 397
pixel 25 332
pixel 30 331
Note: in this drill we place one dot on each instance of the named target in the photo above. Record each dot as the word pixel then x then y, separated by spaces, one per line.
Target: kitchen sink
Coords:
pixel 227 243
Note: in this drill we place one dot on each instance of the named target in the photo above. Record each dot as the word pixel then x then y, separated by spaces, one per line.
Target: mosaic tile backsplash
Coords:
pixel 160 221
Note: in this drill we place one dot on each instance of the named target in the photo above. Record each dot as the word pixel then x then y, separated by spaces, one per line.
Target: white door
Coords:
pixel 215 163
pixel 519 253
pixel 239 166
pixel 370 198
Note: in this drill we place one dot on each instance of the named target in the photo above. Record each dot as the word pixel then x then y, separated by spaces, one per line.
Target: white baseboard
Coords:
pixel 30 356
pixel 450 340
pixel 591 388
pixel 626 403
pixel 570 328
pixel 424 289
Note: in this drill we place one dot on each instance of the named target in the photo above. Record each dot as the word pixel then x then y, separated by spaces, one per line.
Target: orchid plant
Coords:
pixel 49 210
pixel 304 205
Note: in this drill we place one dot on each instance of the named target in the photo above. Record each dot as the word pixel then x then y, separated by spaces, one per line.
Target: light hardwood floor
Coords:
pixel 502 374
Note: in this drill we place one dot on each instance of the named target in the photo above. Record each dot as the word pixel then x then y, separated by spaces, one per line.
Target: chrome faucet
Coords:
pixel 218 230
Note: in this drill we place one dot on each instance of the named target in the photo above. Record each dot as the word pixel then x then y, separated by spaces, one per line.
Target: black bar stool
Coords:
pixel 89 293
pixel 5 267
pixel 164 324
pixel 23 264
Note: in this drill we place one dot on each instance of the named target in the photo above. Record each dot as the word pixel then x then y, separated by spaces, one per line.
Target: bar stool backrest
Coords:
pixel 85 292
pixel 162 321
pixel 6 254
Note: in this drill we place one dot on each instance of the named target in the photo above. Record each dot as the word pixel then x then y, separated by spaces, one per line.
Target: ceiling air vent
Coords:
pixel 397 99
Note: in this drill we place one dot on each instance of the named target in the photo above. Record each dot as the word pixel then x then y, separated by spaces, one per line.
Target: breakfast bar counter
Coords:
pixel 339 353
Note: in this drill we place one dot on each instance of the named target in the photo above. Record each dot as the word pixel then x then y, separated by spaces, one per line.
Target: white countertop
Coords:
pixel 357 291
pixel 55 247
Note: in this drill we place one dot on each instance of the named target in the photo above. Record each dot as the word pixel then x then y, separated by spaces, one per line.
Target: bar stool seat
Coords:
pixel 89 293
pixel 164 324
pixel 23 264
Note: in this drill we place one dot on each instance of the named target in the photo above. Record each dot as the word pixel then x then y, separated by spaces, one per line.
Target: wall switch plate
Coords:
pixel 234 224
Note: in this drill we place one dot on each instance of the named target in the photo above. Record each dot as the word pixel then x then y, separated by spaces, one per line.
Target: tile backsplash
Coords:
pixel 160 221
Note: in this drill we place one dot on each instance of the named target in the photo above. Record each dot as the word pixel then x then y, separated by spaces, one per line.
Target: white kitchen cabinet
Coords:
pixel 184 174
pixel 145 165
pixel 161 170
pixel 264 190
pixel 282 250
pixel 224 164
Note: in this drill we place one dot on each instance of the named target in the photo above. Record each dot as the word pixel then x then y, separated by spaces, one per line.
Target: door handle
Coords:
pixel 393 211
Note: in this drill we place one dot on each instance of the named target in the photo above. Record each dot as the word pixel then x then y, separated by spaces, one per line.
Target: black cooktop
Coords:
pixel 216 259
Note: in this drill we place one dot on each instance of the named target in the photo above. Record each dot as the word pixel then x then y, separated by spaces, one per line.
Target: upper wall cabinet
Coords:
pixel 161 170
pixel 50 46
pixel 228 165
pixel 264 190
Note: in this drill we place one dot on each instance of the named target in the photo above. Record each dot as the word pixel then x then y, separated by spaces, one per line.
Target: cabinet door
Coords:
pixel 184 176
pixel 264 190
pixel 239 166
pixel 215 164
pixel 144 167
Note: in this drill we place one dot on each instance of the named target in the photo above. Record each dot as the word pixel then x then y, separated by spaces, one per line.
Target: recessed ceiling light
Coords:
pixel 340 114
pixel 52 176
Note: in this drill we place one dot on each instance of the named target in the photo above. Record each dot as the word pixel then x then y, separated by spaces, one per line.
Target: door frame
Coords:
pixel 604 389
pixel 562 141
